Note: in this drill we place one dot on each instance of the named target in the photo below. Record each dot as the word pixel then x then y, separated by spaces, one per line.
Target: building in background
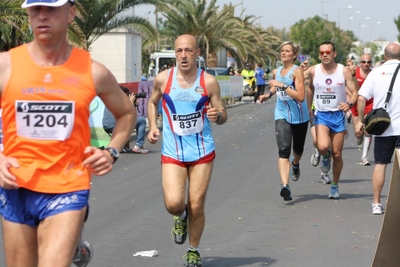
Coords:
pixel 121 52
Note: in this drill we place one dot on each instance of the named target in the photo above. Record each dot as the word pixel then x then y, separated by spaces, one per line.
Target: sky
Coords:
pixel 368 19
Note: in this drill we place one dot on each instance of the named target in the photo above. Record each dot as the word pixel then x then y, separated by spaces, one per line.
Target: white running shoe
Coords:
pixel 365 161
pixel 325 178
pixel 377 209
pixel 315 159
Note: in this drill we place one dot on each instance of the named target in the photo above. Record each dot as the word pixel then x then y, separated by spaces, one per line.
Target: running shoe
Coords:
pixel 193 258
pixel 360 140
pixel 325 178
pixel 334 192
pixel 179 230
pixel 286 193
pixel 315 159
pixel 295 173
pixel 83 254
pixel 365 161
pixel 139 150
pixel 349 119
pixel 326 163
pixel 377 209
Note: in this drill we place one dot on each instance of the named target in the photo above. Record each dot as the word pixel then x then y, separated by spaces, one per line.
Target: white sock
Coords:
pixel 193 248
pixel 316 152
pixel 367 143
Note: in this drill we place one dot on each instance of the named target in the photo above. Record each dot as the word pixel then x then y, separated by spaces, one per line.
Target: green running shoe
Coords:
pixel 179 230
pixel 193 258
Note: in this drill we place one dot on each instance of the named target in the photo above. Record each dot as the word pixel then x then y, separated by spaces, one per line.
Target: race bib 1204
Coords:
pixel 45 120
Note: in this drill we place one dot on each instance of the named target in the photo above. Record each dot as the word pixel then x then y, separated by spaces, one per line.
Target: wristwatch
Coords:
pixel 284 87
pixel 350 104
pixel 113 152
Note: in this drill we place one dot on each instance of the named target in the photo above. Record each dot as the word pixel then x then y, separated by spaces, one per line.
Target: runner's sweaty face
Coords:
pixel 187 52
pixel 326 54
pixel 50 23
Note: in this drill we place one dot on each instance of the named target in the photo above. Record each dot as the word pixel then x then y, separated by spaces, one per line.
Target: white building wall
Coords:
pixel 121 53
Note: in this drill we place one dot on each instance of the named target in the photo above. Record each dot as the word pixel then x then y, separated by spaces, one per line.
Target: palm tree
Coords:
pixel 96 18
pixel 397 23
pixel 14 25
pixel 215 29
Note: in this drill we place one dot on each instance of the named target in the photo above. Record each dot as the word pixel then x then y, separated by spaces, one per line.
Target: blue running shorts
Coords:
pixel 334 120
pixel 28 207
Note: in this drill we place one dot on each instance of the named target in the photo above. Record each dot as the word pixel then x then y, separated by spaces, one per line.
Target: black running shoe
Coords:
pixel 286 193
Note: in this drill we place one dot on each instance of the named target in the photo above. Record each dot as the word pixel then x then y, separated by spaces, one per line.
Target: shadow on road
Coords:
pixel 232 261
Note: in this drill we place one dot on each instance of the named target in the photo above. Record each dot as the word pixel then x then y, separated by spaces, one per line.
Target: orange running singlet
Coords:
pixel 46 121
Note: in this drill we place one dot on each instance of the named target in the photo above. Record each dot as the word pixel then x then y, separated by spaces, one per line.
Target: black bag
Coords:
pixel 378 120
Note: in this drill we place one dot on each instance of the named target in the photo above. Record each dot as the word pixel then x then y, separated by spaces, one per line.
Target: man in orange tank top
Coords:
pixel 46 87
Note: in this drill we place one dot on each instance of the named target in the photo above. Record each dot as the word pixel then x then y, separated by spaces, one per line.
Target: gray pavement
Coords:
pixel 248 223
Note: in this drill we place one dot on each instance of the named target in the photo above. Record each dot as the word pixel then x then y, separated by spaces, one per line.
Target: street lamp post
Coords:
pixel 322 6
pixel 371 27
pixel 350 16
pixel 341 9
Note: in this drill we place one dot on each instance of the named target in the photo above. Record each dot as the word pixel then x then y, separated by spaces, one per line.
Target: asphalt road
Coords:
pixel 248 223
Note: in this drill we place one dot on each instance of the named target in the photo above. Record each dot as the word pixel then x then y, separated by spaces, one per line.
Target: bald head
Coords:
pixel 392 51
pixel 366 57
pixel 187 51
pixel 187 39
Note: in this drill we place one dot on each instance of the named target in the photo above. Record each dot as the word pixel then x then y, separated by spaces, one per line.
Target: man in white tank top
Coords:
pixel 328 82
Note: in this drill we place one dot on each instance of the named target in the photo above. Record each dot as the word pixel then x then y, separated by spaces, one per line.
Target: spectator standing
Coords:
pixel 248 76
pixel 260 80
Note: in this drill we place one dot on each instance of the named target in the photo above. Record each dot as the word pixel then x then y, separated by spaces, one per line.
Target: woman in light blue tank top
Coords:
pixel 291 114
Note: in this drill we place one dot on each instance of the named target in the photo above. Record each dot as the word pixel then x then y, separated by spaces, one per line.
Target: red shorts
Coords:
pixel 206 159
pixel 367 109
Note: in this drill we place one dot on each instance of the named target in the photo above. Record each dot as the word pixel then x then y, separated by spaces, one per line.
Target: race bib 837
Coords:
pixel 187 124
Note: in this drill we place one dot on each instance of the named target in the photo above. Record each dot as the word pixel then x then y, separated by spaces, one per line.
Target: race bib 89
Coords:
pixel 45 120
pixel 327 100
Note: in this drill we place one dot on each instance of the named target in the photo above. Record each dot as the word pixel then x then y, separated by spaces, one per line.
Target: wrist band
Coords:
pixel 270 93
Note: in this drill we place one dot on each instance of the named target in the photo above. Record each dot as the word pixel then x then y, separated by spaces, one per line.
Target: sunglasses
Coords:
pixel 328 52
pixel 365 62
